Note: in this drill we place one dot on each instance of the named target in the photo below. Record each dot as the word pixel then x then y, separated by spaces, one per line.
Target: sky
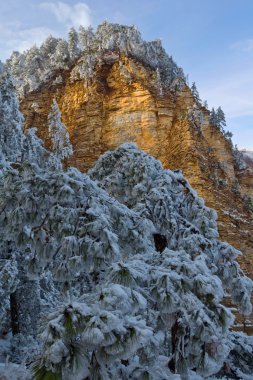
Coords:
pixel 212 40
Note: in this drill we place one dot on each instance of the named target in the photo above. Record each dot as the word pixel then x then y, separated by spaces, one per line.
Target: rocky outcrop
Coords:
pixel 122 103
pixel 245 176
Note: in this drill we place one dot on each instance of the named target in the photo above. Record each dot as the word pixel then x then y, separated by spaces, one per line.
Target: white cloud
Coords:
pixel 75 15
pixel 14 37
pixel 243 45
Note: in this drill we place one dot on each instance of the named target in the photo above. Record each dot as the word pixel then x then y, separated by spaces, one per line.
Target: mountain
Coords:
pixel 112 87
pixel 119 272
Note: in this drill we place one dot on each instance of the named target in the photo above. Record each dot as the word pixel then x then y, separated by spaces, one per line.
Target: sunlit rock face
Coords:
pixel 125 100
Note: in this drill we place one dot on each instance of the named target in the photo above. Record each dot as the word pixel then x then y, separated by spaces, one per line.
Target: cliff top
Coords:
pixel 84 49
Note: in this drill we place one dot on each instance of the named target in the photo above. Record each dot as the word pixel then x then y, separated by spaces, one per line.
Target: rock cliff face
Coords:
pixel 246 175
pixel 121 103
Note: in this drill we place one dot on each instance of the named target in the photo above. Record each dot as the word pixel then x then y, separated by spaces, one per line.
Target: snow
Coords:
pixel 37 65
pixel 11 371
pixel 127 272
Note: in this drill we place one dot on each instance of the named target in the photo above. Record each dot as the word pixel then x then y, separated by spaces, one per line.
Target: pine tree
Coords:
pixel 61 146
pixel 48 47
pixel 220 119
pixel 86 38
pixel 217 118
pixel 137 283
pixel 33 150
pixel 157 191
pixel 34 67
pixel 13 299
pixel 73 44
pixel 61 58
pixel 11 120
pixel 205 104
pixel 195 92
pixel 213 117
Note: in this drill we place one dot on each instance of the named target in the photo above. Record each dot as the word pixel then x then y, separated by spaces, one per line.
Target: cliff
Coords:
pixel 246 176
pixel 122 102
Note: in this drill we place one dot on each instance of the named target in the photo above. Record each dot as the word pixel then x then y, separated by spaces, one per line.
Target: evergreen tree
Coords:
pixel 34 67
pixel 33 150
pixel 13 299
pixel 61 58
pixel 73 44
pixel 217 118
pixel 220 119
pixel 11 120
pixel 86 38
pixel 212 117
pixel 48 47
pixel 61 146
pixel 139 285
pixel 205 104
pixel 195 92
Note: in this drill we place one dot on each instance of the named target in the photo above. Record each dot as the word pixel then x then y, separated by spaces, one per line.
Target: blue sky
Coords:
pixel 211 39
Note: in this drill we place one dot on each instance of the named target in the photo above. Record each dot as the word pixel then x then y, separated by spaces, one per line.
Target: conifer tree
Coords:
pixel 86 37
pixel 212 117
pixel 11 120
pixel 61 146
pixel 73 44
pixel 195 92
pixel 217 118
pixel 61 56
pixel 33 150
pixel 220 119
pixel 139 285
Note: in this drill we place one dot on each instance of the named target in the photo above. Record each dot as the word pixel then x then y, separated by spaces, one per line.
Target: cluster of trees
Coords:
pixel 116 274
pixel 85 48
pixel 216 117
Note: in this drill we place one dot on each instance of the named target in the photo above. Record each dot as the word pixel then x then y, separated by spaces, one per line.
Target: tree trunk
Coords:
pixel 14 314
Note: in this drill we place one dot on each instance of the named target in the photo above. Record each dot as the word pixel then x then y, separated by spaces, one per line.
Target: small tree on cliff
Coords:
pixel 218 118
pixel 195 92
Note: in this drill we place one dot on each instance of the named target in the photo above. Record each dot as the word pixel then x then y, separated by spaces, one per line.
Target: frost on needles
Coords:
pixel 117 274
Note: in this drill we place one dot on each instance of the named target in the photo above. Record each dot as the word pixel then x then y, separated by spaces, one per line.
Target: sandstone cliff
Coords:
pixel 121 102
pixel 245 176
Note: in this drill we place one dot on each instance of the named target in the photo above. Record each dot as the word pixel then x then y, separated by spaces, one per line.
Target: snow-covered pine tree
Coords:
pixel 213 117
pixel 73 44
pixel 139 286
pixel 48 47
pixel 217 118
pixel 61 58
pixel 35 65
pixel 205 104
pixel 80 234
pixel 183 224
pixel 195 92
pixel 33 150
pixel 18 295
pixel 11 120
pixel 61 146
pixel 220 119
pixel 86 38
